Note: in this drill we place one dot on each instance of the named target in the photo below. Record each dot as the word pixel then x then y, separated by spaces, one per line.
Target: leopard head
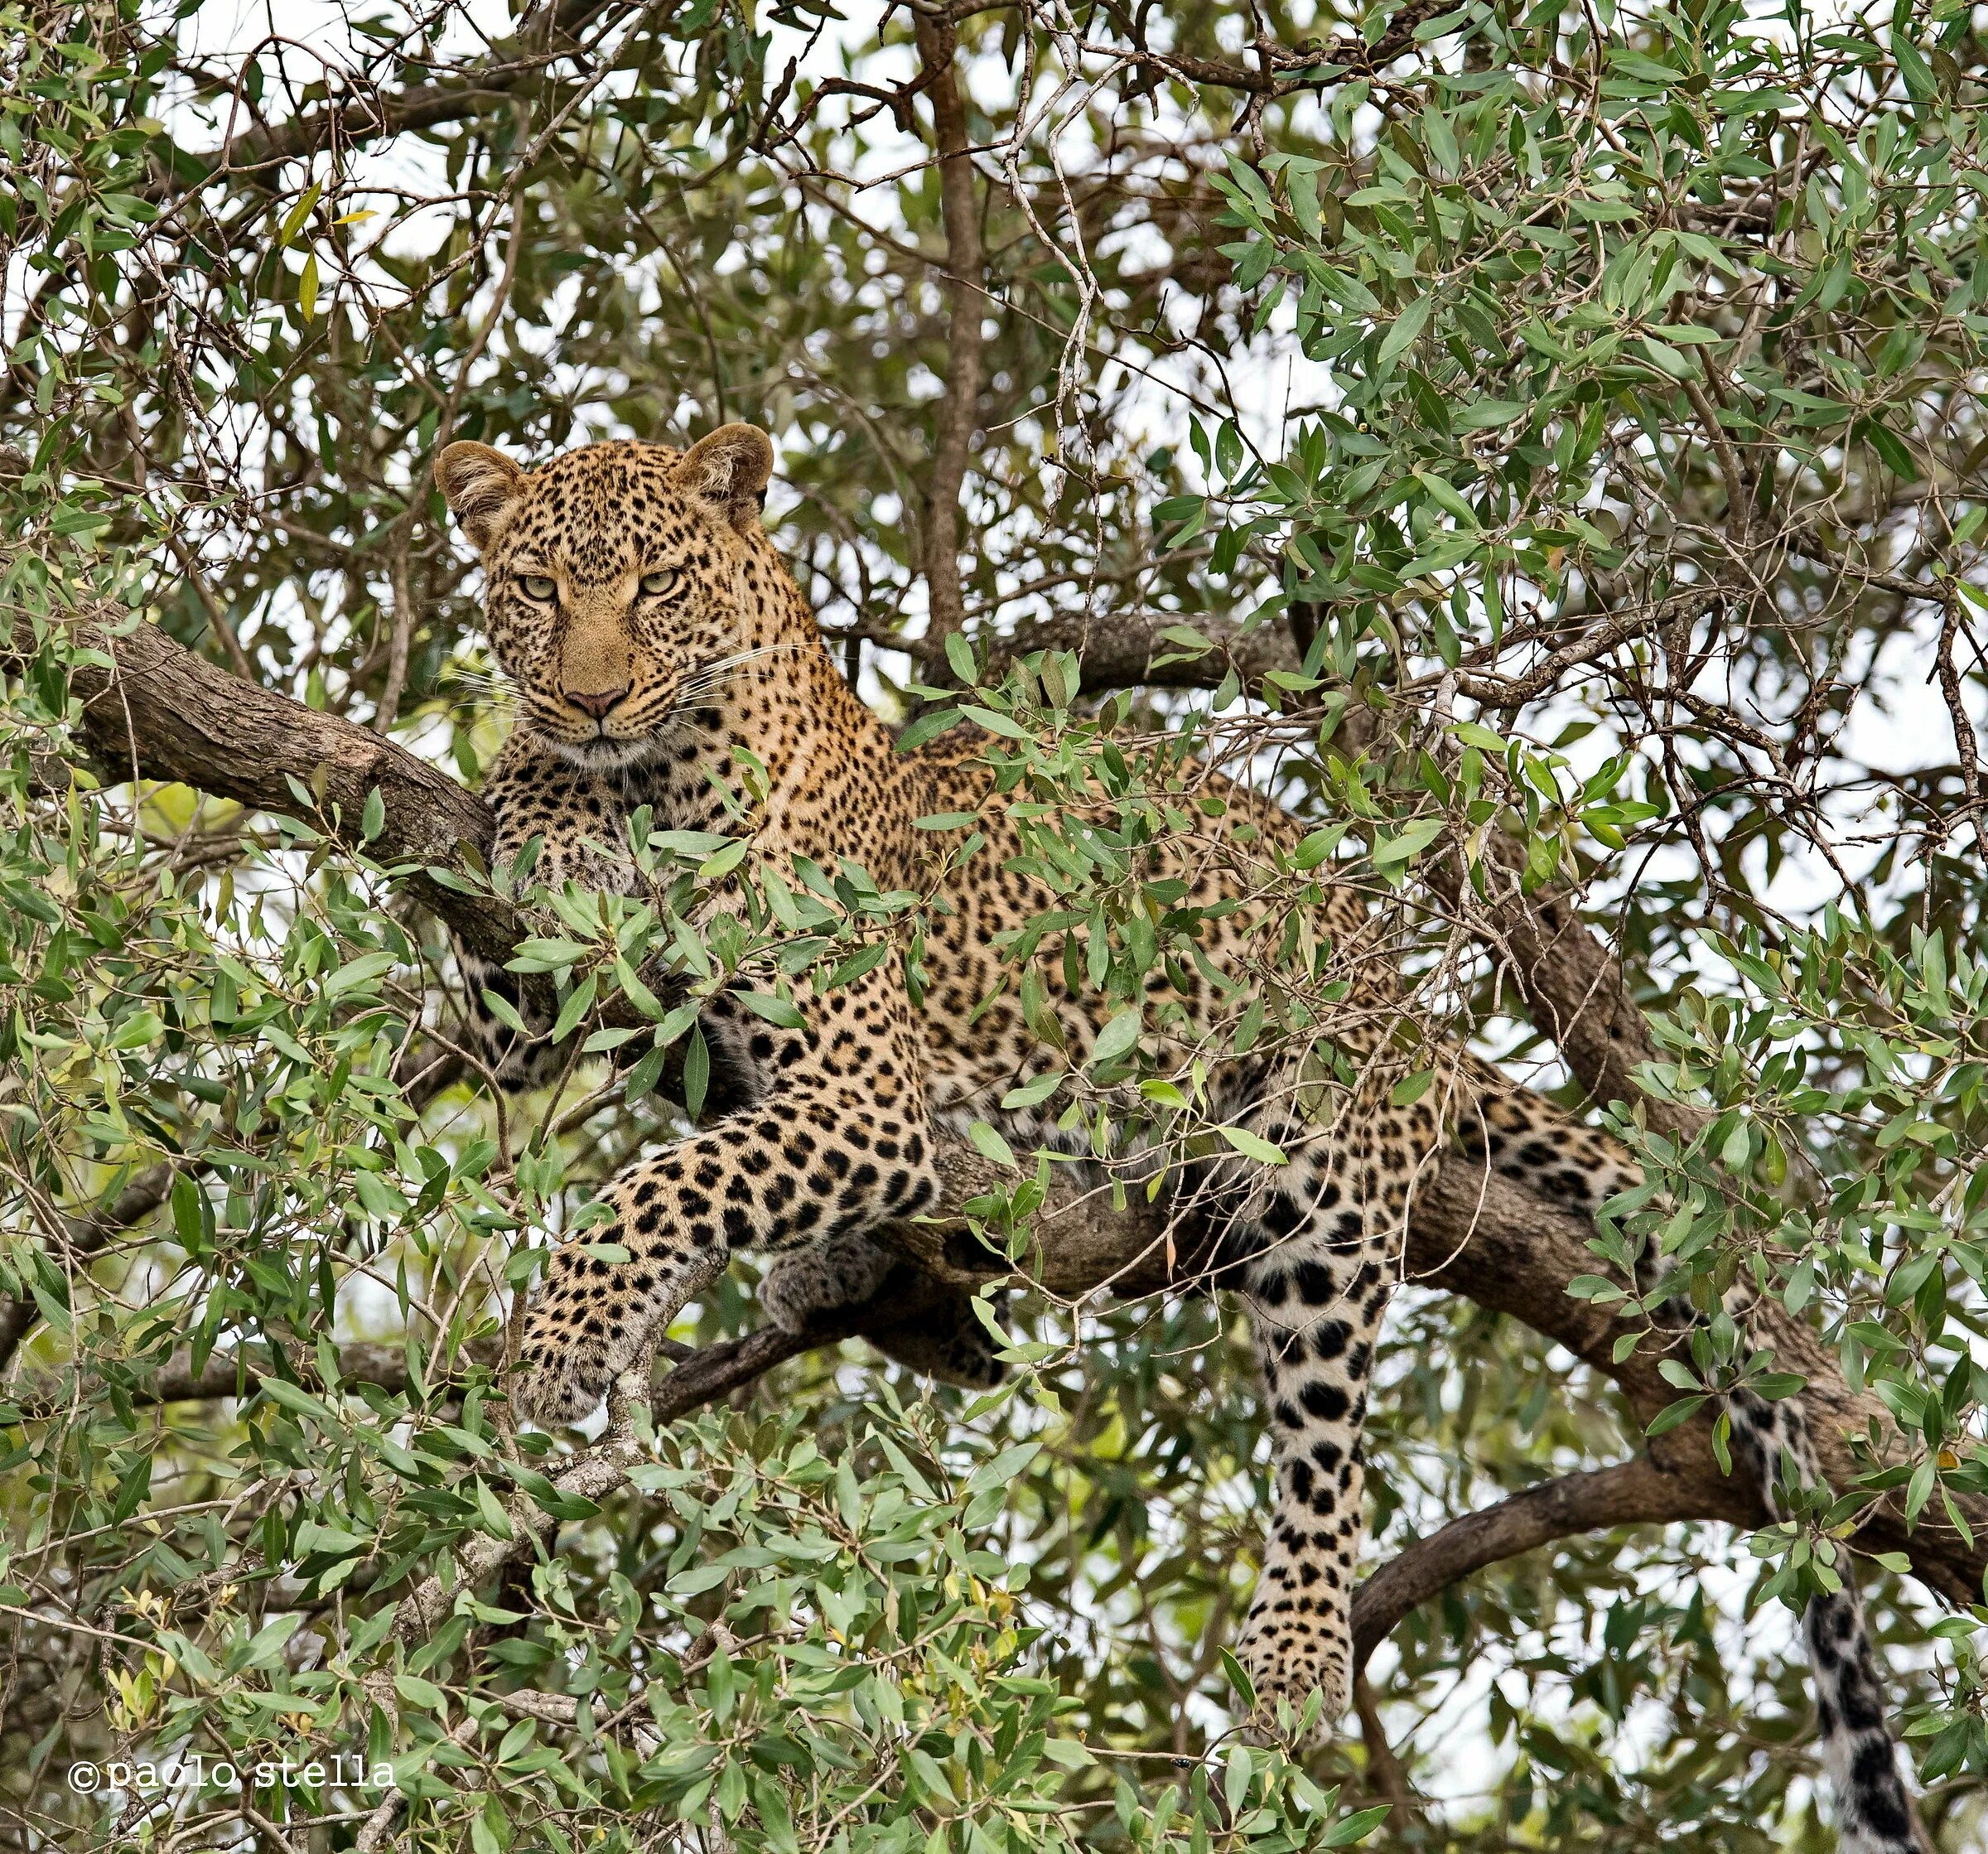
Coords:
pixel 613 579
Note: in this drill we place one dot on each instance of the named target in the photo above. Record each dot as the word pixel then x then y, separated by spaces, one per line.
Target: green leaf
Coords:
pixel 188 1223
pixel 775 1010
pixel 696 1073
pixel 294 1399
pixel 1919 1490
pixel 140 1030
pixel 1772 1386
pixel 635 991
pixel 422 1693
pixel 1920 83
pixel 864 960
pixel 989 1145
pixel 1315 848
pixel 928 727
pixel 1117 1036
pixel 578 1003
pixel 1412 842
pixel 1407 326
pixel 1486 413
pixel 1033 1094
pixel 1253 1146
pixel 358 973
pixel 1004 725
pixel 536 955
pixel 1068 1753
pixel 504 1013
pixel 1668 1418
pixel 1355 1827
pixel 496 1522
pixel 293 220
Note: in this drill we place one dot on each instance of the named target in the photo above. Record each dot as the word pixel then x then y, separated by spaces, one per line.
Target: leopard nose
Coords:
pixel 598 703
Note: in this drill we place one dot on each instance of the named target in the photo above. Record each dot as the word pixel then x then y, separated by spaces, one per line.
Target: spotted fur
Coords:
pixel 660 651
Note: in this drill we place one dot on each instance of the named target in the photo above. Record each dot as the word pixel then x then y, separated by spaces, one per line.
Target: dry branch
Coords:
pixel 379 115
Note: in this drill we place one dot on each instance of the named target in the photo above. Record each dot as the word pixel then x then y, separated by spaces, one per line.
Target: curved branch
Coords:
pixel 1628 1493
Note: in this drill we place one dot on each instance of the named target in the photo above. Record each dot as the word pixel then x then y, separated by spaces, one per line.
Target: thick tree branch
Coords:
pixel 1573 986
pixel 1133 649
pixel 163 714
pixel 167 716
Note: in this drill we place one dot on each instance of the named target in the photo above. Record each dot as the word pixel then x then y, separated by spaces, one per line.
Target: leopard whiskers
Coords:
pixel 495 685
pixel 704 682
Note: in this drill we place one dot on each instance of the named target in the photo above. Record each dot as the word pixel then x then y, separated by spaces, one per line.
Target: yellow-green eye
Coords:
pixel 538 587
pixel 664 580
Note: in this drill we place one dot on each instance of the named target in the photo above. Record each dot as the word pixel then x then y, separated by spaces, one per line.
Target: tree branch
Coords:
pixel 953 437
pixel 1131 649
pixel 1573 986
pixel 85 1236
pixel 1631 1493
pixel 381 115
pixel 164 714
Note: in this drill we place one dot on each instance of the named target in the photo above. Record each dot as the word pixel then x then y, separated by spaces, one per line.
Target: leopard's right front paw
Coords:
pixel 579 1337
pixel 560 1380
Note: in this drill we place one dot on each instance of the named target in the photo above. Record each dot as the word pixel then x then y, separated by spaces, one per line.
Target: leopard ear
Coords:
pixel 730 471
pixel 483 488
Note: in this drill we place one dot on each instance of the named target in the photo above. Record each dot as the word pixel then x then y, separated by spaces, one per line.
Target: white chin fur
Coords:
pixel 602 754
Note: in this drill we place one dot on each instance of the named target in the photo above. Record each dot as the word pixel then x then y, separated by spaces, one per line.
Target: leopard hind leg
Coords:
pixel 1316 1244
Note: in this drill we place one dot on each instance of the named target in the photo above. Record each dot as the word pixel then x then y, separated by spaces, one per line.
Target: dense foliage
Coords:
pixel 1528 438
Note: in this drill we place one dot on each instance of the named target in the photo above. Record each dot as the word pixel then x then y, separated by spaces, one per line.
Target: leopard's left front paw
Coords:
pixel 591 1321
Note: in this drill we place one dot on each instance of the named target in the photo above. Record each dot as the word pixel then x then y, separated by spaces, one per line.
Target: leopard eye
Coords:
pixel 664 580
pixel 538 587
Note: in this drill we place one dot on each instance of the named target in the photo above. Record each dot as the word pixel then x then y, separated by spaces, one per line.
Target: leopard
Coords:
pixel 665 660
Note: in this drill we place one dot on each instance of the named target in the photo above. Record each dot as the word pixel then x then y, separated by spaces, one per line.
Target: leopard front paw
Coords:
pixel 580 1336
